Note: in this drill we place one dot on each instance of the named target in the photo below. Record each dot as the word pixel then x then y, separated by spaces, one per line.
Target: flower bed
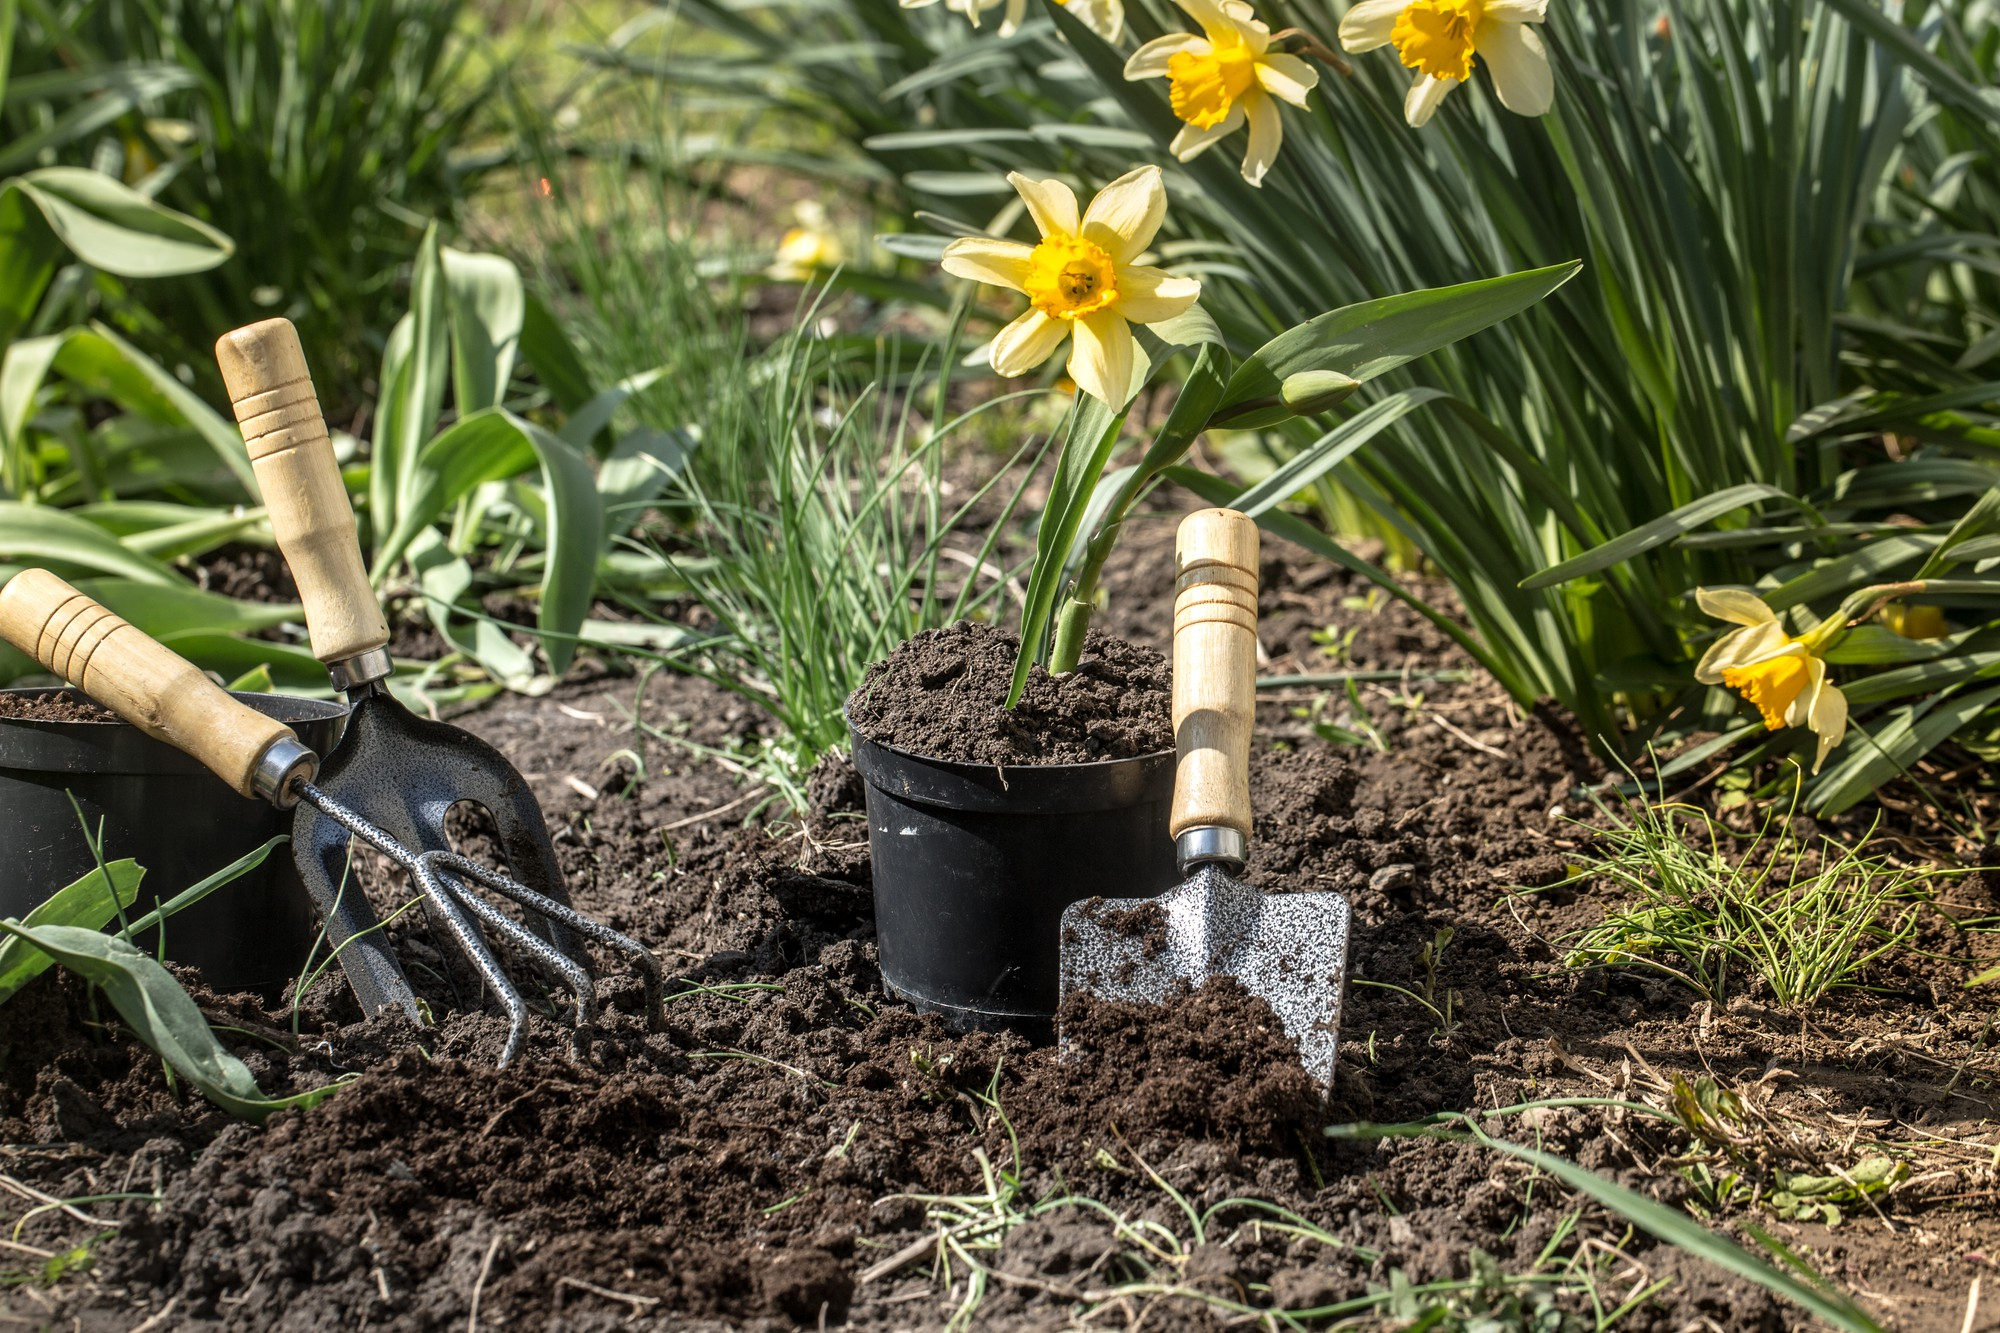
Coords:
pixel 797 1139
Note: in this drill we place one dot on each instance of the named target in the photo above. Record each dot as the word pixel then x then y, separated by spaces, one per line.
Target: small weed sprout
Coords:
pixel 1442 1004
pixel 1803 918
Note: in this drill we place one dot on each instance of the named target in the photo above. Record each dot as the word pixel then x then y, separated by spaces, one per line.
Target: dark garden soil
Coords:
pixel 56 706
pixel 944 694
pixel 756 1165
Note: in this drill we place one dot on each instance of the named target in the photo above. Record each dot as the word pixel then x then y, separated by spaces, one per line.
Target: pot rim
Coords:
pixel 307 710
pixel 68 746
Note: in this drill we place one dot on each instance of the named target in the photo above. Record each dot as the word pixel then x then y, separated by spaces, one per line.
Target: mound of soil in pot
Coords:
pixel 63 707
pixel 943 693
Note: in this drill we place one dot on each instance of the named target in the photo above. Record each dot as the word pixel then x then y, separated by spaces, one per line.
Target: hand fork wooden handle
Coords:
pixel 1215 686
pixel 265 369
pixel 151 686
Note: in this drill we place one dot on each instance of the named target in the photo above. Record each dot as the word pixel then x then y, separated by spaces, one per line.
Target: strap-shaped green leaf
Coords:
pixel 1912 733
pixel 1976 522
pixel 161 1014
pixel 38 534
pixel 487 310
pixel 494 445
pixel 415 364
pixel 1660 531
pixel 1087 444
pixel 1331 449
pixel 110 226
pixel 1374 337
pixel 90 902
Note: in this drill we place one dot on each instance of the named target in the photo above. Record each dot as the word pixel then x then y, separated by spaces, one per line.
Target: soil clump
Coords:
pixel 57 706
pixel 943 694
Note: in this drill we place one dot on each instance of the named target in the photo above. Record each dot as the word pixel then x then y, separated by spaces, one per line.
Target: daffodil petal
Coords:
pixel 1124 216
pixel 984 259
pixel 1193 140
pixel 1828 719
pixel 1369 24
pixel 1514 11
pixel 1214 22
pixel 1149 295
pixel 1267 133
pixel 1106 18
pixel 1801 708
pixel 1286 77
pixel 917 4
pixel 1100 358
pixel 1016 11
pixel 1050 203
pixel 1423 98
pixel 1150 60
pixel 1520 65
pixel 1741 647
pixel 1026 343
pixel 1736 605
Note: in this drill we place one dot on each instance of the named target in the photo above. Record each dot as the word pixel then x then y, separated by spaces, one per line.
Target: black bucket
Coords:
pixel 974 864
pixel 172 816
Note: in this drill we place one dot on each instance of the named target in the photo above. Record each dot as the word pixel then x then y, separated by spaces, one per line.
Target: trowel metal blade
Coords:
pixel 1288 949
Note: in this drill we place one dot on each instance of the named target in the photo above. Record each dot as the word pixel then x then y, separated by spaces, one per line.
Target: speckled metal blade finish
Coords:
pixel 1289 949
pixel 402 773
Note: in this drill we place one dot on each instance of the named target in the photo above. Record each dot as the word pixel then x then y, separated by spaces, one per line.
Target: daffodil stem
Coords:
pixel 1857 609
pixel 1297 41
pixel 1198 399
pixel 1074 621
pixel 1874 599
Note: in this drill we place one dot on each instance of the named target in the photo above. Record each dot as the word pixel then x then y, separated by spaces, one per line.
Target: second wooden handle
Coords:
pixel 136 676
pixel 1215 669
pixel 265 369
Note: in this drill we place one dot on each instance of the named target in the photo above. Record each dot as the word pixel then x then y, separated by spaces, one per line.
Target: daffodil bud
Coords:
pixel 1915 622
pixel 1311 392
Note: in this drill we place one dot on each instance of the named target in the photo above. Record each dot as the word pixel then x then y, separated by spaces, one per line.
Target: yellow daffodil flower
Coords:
pixel 1440 38
pixel 1225 76
pixel 1083 281
pixel 1784 676
pixel 808 248
pixel 1106 18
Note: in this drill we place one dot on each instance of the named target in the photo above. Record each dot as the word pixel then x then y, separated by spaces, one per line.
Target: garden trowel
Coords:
pixel 1288 949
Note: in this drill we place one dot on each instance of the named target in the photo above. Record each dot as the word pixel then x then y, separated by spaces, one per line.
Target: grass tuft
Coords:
pixel 1802 917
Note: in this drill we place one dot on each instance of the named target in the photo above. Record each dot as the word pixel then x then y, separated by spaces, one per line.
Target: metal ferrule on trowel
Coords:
pixel 1288 949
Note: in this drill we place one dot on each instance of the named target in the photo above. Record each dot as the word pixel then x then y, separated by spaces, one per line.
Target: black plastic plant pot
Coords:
pixel 176 819
pixel 974 864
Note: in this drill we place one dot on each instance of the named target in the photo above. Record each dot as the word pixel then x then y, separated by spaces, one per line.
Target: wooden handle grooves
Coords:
pixel 135 676
pixel 265 369
pixel 1215 669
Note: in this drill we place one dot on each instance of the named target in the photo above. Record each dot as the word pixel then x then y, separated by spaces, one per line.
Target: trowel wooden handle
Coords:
pixel 1215 669
pixel 136 676
pixel 265 369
